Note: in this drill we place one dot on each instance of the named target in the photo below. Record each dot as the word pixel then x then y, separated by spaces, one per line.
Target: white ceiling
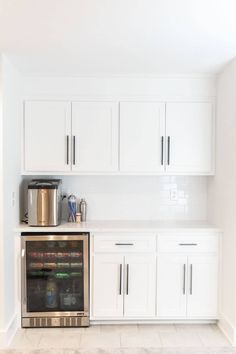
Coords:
pixel 80 37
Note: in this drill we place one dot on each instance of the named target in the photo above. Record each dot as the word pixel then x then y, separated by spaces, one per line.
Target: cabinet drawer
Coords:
pixel 187 243
pixel 124 242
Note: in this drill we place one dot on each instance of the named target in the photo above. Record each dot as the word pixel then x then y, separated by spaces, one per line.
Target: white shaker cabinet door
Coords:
pixel 142 131
pixel 203 286
pixel 47 126
pixel 94 136
pixel 107 291
pixel 140 285
pixel 189 137
pixel 171 285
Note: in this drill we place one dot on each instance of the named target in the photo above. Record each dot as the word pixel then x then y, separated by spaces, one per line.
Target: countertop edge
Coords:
pixel 125 226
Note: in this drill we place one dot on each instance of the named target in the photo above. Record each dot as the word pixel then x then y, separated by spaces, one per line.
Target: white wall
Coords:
pixel 159 87
pixel 11 184
pixel 222 189
pixel 1 205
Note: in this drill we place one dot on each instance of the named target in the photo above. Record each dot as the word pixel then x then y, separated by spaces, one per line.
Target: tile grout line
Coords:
pixel 200 339
pixel 161 341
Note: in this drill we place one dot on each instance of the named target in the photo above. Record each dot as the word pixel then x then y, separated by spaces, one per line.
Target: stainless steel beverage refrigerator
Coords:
pixel 55 279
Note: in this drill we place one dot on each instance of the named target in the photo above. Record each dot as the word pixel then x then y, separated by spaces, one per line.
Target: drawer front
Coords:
pixel 188 243
pixel 124 242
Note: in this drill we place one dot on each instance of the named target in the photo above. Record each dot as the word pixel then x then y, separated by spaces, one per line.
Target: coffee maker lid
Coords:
pixel 44 184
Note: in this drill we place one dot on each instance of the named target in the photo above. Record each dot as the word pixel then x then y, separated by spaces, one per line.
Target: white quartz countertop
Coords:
pixel 122 226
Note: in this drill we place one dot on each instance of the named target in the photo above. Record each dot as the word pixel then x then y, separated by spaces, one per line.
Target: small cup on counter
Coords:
pixel 78 218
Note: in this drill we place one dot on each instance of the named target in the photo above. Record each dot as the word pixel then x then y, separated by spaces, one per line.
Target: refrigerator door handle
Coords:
pixel 23 292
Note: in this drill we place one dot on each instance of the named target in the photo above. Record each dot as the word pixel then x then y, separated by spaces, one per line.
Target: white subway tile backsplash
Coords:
pixel 135 197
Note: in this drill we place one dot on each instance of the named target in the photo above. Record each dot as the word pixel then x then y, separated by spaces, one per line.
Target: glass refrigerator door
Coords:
pixel 55 275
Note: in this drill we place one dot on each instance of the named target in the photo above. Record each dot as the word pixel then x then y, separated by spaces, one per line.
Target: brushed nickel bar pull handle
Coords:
pixel 191 279
pixel 67 149
pixel 168 150
pixel 73 149
pixel 162 150
pixel 187 244
pixel 120 289
pixel 184 279
pixel 124 244
pixel 127 279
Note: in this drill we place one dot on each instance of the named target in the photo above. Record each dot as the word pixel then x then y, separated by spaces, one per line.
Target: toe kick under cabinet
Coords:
pixel 148 276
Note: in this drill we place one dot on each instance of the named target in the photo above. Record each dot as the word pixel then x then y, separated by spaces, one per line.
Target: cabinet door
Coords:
pixel 47 126
pixel 142 130
pixel 203 286
pixel 189 134
pixel 107 292
pixel 95 136
pixel 140 285
pixel 171 285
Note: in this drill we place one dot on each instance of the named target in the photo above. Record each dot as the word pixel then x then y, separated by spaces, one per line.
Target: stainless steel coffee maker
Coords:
pixel 44 202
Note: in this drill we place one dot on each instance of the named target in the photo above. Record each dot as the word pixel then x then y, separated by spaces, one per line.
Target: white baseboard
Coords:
pixel 228 329
pixel 143 322
pixel 8 333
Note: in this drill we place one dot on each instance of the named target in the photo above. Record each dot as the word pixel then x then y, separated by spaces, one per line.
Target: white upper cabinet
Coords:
pixel 172 138
pixel 94 136
pixel 146 138
pixel 46 136
pixel 189 138
pixel 142 130
pixel 58 139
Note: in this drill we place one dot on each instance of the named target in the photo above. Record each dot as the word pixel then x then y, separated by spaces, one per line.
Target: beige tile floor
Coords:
pixel 121 339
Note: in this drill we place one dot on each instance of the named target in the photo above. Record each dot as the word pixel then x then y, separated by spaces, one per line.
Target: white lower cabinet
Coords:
pixel 140 285
pixel 177 280
pixel 203 286
pixel 187 286
pixel 123 277
pixel 123 286
pixel 107 297
pixel 171 285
